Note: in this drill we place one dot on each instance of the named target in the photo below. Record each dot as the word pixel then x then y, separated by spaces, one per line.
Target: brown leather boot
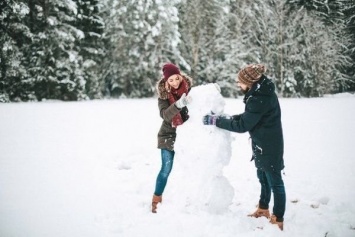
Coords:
pixel 260 212
pixel 155 201
pixel 280 224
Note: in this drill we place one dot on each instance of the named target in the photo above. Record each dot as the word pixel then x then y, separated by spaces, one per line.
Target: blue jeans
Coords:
pixel 167 160
pixel 272 181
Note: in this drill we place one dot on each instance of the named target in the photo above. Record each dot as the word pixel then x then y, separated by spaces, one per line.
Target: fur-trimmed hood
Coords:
pixel 160 86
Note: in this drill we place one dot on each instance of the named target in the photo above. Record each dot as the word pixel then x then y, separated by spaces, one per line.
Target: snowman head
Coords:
pixel 206 99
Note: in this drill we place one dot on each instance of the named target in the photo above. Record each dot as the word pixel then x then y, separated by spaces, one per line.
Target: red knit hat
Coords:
pixel 251 74
pixel 170 69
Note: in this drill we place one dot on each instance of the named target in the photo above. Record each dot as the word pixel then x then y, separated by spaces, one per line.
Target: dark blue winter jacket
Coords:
pixel 262 119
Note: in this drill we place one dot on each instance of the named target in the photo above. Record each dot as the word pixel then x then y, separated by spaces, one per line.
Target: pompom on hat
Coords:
pixel 170 69
pixel 251 74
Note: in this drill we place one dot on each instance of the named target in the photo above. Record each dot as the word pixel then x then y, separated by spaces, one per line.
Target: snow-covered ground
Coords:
pixel 89 168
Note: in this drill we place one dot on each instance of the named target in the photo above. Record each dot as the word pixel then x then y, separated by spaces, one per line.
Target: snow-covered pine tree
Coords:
pixel 140 36
pixel 349 17
pixel 233 46
pixel 262 30
pixel 14 36
pixel 202 27
pixel 91 47
pixel 54 64
pixel 328 73
pixel 302 67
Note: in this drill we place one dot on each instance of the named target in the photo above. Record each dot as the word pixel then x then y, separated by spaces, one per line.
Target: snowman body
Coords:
pixel 201 153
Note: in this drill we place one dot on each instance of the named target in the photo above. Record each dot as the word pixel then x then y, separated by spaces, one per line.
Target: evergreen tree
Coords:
pixel 54 64
pixel 14 36
pixel 333 14
pixel 238 50
pixel 203 45
pixel 141 35
pixel 90 47
pixel 349 16
pixel 299 62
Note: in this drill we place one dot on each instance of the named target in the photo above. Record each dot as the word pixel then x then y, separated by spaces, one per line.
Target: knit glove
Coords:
pixel 210 119
pixel 183 101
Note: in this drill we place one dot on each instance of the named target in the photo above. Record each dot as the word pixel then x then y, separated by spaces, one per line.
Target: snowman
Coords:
pixel 201 153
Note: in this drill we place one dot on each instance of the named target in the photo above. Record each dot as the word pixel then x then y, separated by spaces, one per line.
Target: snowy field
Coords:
pixel 74 169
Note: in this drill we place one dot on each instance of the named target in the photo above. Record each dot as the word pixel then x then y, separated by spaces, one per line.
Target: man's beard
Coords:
pixel 244 91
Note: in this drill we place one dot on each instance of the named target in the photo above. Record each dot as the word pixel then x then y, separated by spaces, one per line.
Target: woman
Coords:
pixel 172 100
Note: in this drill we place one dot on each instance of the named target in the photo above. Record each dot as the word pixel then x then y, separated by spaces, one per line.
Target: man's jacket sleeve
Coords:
pixel 246 121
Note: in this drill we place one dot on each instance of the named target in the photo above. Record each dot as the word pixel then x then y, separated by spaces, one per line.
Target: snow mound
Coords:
pixel 201 154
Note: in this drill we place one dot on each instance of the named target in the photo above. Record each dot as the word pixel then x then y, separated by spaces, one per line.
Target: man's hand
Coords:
pixel 210 119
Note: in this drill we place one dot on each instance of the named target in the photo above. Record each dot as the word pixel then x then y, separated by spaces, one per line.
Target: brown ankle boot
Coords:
pixel 260 212
pixel 155 201
pixel 280 224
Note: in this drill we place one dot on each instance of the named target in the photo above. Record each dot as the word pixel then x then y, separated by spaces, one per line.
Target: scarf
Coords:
pixel 175 95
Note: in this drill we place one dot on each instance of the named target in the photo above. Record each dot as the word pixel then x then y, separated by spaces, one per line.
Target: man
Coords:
pixel 262 119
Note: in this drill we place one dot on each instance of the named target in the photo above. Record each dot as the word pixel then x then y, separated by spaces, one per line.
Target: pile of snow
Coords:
pixel 201 154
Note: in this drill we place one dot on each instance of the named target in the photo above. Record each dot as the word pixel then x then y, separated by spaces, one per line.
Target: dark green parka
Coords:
pixel 262 119
pixel 167 133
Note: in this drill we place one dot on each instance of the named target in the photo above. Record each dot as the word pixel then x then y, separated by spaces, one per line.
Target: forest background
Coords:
pixel 92 49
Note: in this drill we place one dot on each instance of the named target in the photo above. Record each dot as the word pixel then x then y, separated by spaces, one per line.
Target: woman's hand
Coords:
pixel 183 101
